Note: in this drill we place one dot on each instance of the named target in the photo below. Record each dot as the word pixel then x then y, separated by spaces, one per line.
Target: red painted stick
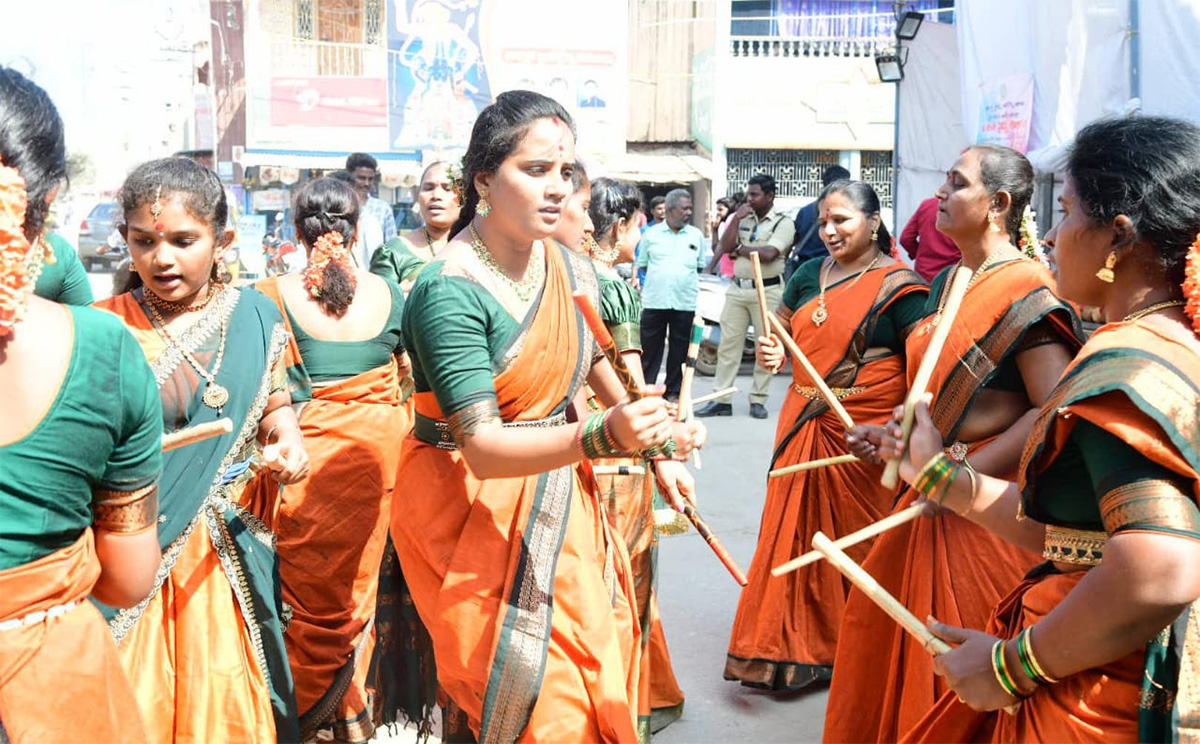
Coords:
pixel 605 341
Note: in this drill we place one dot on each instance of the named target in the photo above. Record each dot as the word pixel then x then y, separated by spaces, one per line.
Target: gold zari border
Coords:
pixel 125 511
pixel 1077 547
pixel 1150 503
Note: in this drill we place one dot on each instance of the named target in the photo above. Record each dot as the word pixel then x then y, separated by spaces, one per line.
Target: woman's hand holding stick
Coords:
pixel 605 341
pixel 958 289
pixel 818 382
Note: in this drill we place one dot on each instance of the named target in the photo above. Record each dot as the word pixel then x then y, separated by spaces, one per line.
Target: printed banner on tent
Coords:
pixel 1006 112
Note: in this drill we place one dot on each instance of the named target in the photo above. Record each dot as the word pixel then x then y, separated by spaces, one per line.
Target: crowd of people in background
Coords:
pixel 422 470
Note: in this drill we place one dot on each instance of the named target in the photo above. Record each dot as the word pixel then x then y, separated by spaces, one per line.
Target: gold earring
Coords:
pixel 483 209
pixel 993 225
pixel 875 235
pixel 1106 274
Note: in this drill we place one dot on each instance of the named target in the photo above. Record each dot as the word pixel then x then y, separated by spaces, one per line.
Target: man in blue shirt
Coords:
pixel 673 253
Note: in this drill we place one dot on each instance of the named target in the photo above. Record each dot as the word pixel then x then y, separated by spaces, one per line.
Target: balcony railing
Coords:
pixel 776 46
pixel 299 58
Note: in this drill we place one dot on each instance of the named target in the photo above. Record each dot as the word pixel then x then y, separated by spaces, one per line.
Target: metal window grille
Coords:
pixel 797 173
pixel 305 26
pixel 876 169
pixel 373 22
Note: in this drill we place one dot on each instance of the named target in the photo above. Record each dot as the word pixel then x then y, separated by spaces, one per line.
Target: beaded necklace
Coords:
pixel 524 289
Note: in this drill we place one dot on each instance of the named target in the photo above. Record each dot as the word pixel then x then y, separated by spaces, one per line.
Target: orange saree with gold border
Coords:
pixel 944 566
pixel 527 595
pixel 786 629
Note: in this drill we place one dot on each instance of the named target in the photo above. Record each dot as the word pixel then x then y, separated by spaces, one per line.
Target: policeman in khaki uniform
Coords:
pixel 757 227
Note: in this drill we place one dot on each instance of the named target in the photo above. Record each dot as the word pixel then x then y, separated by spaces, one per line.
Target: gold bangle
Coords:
pixel 971 475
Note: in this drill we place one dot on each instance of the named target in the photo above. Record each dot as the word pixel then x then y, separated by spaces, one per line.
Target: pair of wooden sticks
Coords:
pixel 605 341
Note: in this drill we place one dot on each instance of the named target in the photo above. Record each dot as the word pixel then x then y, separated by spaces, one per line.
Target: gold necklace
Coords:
pixel 525 288
pixel 937 317
pixel 821 314
pixel 178 308
pixel 215 396
pixel 604 256
pixel 1139 314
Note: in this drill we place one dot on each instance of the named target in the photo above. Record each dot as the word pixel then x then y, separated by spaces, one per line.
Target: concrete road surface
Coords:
pixel 698 597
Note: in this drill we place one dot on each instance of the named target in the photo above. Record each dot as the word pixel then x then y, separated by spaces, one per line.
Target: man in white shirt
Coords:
pixel 376 224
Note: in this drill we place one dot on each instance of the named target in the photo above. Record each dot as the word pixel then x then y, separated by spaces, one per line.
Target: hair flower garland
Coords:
pixel 330 248
pixel 454 171
pixel 16 280
pixel 1191 284
pixel 1029 242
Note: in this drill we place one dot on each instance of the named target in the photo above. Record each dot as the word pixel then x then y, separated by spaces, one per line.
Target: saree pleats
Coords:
pixel 528 597
pixel 945 566
pixel 786 629
pixel 61 678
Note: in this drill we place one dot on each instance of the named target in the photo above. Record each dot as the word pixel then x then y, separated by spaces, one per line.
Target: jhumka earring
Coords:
pixel 993 225
pixel 1106 274
pixel 875 235
pixel 156 209
pixel 483 209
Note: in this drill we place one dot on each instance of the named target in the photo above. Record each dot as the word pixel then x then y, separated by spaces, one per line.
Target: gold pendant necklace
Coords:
pixel 821 314
pixel 215 396
pixel 1139 314
pixel 534 273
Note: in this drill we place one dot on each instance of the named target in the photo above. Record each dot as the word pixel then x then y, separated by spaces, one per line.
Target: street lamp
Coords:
pixel 891 69
pixel 908 25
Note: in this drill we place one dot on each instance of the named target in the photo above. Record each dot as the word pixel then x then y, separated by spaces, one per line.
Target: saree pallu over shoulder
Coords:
pixel 995 315
pixel 518 579
pixel 785 631
pixel 202 490
pixel 945 566
pixel 836 347
pixel 1142 386
pixel 60 674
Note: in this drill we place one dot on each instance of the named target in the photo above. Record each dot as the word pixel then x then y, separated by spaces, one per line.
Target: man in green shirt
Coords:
pixel 672 253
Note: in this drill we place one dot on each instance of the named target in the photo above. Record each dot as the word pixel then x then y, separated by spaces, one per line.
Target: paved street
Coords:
pixel 698 597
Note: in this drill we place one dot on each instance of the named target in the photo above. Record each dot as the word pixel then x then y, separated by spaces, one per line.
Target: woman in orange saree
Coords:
pixel 850 314
pixel 525 591
pixel 204 649
pixel 1010 342
pixel 1099 642
pixel 79 470
pixel 600 221
pixel 330 530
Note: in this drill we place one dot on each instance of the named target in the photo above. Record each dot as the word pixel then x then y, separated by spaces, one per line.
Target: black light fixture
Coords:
pixel 891 70
pixel 908 25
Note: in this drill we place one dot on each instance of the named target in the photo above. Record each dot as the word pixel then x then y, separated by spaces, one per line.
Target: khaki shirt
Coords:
pixel 777 229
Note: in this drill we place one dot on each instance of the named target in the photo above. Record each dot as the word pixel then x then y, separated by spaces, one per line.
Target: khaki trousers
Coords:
pixel 740 313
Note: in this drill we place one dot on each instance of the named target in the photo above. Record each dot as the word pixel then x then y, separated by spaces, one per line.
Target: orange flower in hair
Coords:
pixel 1191 284
pixel 16 280
pixel 330 248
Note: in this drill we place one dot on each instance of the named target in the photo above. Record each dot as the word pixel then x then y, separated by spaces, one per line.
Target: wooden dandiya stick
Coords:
pixel 756 265
pixel 686 407
pixel 831 400
pixel 958 289
pixel 886 602
pixel 605 341
pixel 866 533
pixel 877 594
pixel 618 470
pixel 712 396
pixel 812 465
pixel 197 433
